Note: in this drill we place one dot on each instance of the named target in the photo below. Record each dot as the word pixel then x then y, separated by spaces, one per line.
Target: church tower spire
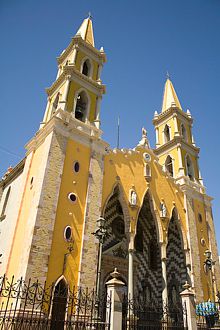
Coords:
pixel 175 145
pixel 78 88
pixel 170 98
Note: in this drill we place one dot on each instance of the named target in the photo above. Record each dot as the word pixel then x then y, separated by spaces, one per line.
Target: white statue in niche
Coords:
pixel 163 209
pixel 133 198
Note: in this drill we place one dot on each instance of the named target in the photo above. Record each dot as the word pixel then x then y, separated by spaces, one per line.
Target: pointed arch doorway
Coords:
pixel 59 305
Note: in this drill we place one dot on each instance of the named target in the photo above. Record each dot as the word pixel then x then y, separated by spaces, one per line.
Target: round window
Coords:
pixel 76 167
pixel 72 197
pixel 118 227
pixel 68 233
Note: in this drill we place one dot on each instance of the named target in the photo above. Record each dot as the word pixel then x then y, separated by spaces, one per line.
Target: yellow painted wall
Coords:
pixel 36 161
pixel 202 233
pixel 70 214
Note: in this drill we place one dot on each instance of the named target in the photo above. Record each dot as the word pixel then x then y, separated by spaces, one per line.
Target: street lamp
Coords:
pixel 208 263
pixel 101 234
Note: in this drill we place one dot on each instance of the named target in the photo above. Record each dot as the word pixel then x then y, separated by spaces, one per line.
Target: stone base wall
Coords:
pixel 89 252
pixel 195 258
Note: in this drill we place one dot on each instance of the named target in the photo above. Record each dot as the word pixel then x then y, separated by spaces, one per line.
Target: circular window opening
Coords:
pixel 118 227
pixel 68 233
pixel 72 197
pixel 76 167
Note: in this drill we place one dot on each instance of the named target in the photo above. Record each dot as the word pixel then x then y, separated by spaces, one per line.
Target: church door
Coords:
pixel 59 306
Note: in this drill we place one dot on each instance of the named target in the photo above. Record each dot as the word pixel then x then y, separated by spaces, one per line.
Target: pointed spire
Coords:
pixel 170 98
pixel 86 31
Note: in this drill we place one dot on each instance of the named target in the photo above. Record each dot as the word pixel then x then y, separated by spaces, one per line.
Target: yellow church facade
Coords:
pixel 153 201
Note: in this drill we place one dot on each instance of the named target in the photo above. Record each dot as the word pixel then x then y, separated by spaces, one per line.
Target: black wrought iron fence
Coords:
pixel 139 314
pixel 27 305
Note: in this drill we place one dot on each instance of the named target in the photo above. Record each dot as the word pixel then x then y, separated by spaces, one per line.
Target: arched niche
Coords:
pixel 169 165
pixel 176 259
pixel 189 168
pixel 148 270
pixel 81 105
pixel 86 67
pixel 183 132
pixel 166 134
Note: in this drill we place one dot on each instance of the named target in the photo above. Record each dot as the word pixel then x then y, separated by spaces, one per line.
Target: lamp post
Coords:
pixel 208 263
pixel 101 234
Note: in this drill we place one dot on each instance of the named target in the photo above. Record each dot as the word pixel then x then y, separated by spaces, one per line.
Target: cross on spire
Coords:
pixel 90 15
pixel 168 75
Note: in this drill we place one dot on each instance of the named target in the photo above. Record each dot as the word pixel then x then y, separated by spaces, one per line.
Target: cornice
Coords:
pixel 171 112
pixel 62 122
pixel 176 141
pixel 70 70
pixel 15 172
pixel 78 41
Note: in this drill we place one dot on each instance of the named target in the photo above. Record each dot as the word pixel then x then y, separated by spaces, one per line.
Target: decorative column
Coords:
pixel 45 119
pixel 74 55
pixel 97 112
pixel 176 131
pixel 164 272
pixel 181 168
pixel 130 274
pixel 59 71
pixel 188 302
pixel 99 73
pixel 63 102
pixel 157 137
pixel 115 290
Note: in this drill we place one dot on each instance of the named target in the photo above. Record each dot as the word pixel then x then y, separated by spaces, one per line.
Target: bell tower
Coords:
pixel 175 145
pixel 78 87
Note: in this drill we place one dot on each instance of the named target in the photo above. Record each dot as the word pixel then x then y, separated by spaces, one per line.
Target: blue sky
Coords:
pixel 143 40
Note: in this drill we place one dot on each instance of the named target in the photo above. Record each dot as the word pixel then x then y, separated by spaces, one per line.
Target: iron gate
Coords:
pixel 27 306
pixel 141 315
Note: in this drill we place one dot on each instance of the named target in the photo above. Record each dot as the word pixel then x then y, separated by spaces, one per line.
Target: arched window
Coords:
pixel 189 168
pixel 81 106
pixel 166 134
pixel 5 204
pixel 56 102
pixel 86 68
pixel 183 132
pixel 169 165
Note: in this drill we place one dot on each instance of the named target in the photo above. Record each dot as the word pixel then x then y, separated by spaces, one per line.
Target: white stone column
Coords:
pixel 59 71
pixel 181 168
pixel 188 302
pixel 115 291
pixel 130 274
pixel 164 273
pixel 99 73
pixel 63 102
pixel 74 55
pixel 97 112
pixel 176 131
pixel 157 137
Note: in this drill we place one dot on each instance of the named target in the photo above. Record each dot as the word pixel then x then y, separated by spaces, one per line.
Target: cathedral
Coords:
pixel 151 201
